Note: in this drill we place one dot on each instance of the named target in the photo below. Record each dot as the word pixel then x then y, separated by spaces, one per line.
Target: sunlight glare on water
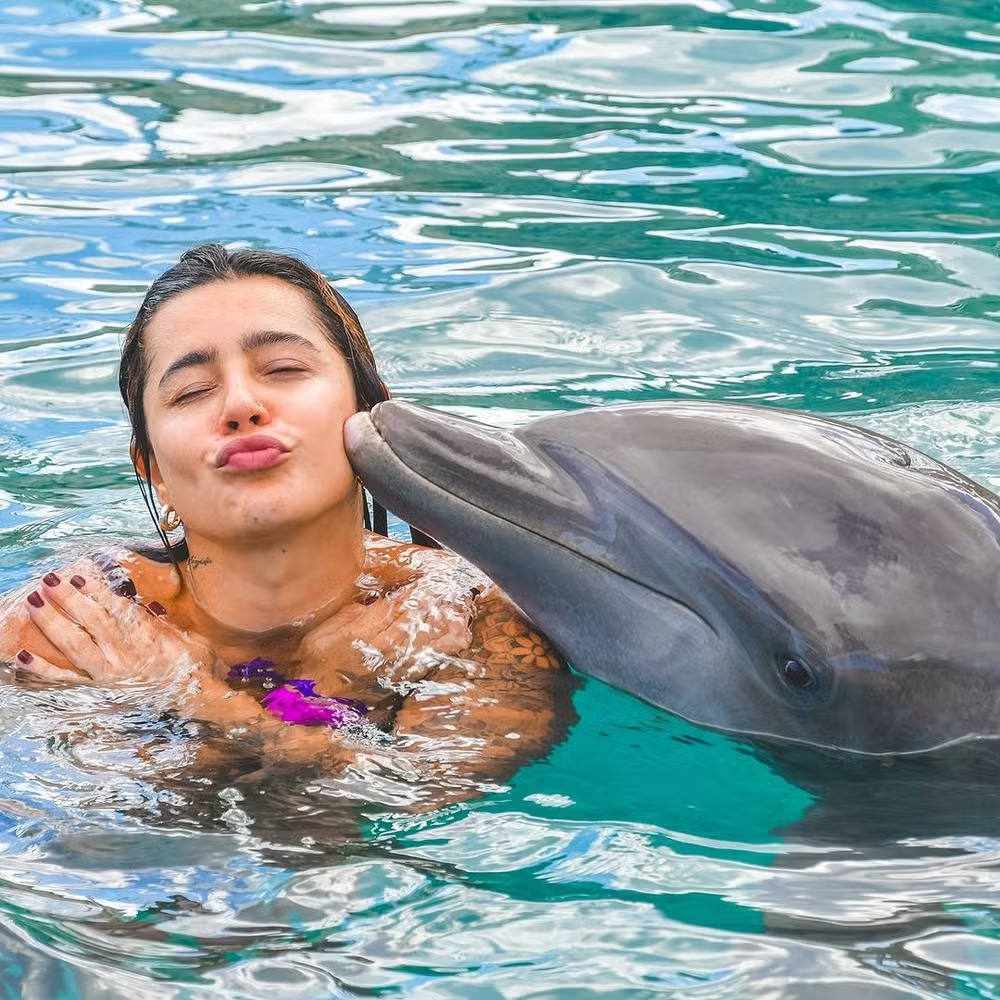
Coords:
pixel 535 207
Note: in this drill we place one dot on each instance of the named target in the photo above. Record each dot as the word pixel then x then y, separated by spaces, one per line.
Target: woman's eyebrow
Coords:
pixel 271 338
pixel 190 360
pixel 250 342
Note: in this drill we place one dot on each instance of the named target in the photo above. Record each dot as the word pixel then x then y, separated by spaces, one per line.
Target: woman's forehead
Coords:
pixel 227 310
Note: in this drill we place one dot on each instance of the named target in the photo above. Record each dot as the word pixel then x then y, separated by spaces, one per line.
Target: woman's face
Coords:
pixel 245 404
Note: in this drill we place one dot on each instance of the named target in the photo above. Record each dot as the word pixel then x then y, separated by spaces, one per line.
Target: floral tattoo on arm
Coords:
pixel 508 641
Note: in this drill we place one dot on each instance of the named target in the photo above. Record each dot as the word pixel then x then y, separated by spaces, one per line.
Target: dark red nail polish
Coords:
pixel 156 608
pixel 24 656
pixel 35 599
pixel 78 582
pixel 125 589
pixel 51 580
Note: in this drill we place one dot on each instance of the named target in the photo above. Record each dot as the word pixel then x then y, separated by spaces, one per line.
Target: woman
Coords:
pixel 271 612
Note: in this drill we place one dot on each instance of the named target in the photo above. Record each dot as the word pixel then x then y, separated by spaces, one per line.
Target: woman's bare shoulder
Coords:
pixel 395 550
pixel 505 639
pixel 153 579
pixel 500 634
pixel 395 560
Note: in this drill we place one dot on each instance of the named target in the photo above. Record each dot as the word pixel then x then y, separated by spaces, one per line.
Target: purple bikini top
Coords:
pixel 296 701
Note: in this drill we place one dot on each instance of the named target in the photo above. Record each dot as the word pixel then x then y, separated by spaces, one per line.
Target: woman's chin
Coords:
pixel 266 524
pixel 262 515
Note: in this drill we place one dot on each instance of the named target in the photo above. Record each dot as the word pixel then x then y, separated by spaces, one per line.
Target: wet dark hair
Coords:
pixel 211 262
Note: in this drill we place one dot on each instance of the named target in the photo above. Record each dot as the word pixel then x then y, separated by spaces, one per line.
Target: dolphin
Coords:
pixel 758 571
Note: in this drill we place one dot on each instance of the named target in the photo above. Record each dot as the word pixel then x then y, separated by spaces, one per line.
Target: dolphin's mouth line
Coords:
pixel 499 517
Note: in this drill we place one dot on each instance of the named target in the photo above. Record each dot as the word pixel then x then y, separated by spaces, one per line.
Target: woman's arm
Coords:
pixel 476 718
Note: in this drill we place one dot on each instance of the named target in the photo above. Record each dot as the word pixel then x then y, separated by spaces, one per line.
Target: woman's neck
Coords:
pixel 273 588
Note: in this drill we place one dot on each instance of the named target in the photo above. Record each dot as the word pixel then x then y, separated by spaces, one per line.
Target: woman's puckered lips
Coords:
pixel 238 446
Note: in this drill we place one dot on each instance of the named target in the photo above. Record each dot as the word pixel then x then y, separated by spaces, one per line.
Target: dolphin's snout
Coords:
pixel 458 455
pixel 360 432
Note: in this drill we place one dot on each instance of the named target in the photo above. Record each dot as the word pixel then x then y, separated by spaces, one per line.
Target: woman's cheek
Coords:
pixel 177 449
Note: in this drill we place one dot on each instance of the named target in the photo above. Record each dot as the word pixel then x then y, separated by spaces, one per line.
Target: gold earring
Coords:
pixel 170 520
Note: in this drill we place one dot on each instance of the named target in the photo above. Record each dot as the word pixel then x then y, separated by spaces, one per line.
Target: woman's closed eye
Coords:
pixel 191 392
pixel 286 367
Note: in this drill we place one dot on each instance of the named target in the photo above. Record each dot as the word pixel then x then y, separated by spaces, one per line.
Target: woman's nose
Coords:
pixel 243 409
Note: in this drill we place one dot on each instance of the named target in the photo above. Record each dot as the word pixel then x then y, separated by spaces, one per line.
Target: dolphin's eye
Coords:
pixel 797 675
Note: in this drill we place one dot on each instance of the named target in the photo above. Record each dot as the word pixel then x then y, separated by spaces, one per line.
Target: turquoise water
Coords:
pixel 535 207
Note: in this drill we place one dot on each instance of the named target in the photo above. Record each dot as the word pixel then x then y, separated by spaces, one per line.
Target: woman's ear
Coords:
pixel 152 474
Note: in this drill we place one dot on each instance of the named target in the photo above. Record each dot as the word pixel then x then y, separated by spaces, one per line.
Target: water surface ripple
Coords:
pixel 535 207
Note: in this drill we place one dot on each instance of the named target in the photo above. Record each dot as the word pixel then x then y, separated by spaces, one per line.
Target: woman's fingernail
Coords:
pixel 156 608
pixel 35 599
pixel 78 582
pixel 24 656
pixel 125 589
pixel 51 580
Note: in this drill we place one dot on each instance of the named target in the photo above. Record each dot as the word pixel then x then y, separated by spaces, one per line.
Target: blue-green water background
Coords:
pixel 535 207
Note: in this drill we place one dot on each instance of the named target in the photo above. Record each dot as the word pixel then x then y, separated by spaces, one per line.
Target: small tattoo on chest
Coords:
pixel 197 563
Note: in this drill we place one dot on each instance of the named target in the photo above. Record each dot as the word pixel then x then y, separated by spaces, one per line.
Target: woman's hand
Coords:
pixel 394 626
pixel 115 642
pixel 109 641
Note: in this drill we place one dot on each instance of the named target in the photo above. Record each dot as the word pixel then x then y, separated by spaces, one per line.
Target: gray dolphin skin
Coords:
pixel 755 570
